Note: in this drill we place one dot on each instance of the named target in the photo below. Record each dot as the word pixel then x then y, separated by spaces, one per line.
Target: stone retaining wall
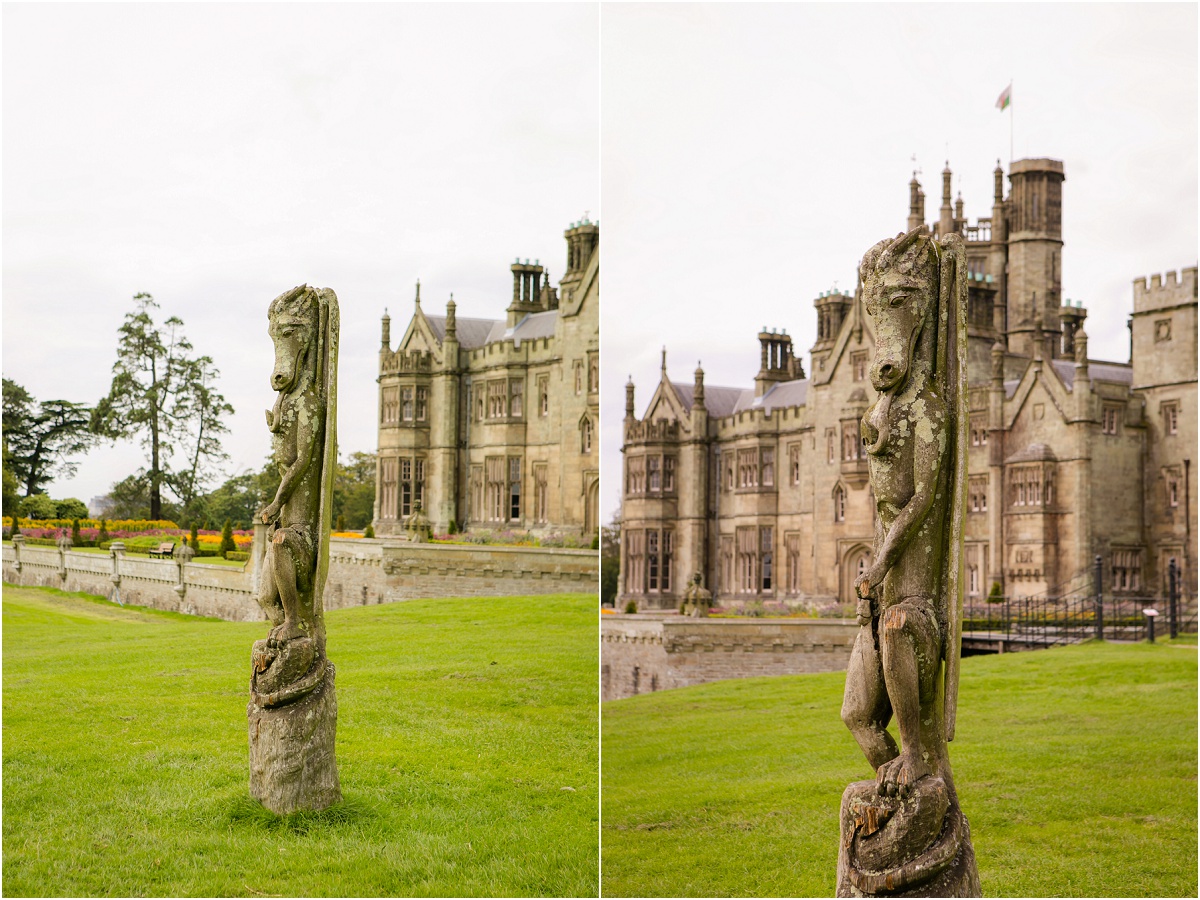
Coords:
pixel 361 572
pixel 640 654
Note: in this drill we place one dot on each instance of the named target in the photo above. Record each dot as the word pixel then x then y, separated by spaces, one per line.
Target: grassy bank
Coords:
pixel 1075 766
pixel 467 743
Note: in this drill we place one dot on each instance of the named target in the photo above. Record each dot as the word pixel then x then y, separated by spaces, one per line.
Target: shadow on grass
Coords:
pixel 245 812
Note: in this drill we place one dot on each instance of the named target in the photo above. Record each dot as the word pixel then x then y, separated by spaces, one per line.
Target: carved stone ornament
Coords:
pixel 293 704
pixel 903 833
pixel 697 600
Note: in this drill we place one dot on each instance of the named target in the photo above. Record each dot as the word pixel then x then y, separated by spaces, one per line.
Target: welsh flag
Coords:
pixel 1005 99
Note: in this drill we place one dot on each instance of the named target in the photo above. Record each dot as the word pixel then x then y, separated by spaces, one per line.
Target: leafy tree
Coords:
pixel 162 395
pixel 71 508
pixel 341 524
pixel 610 562
pixel 102 533
pixel 194 538
pixel 227 542
pixel 42 437
pixel 354 491
pixel 369 531
pixel 131 499
pixel 76 537
pixel 12 490
pixel 202 412
pixel 39 506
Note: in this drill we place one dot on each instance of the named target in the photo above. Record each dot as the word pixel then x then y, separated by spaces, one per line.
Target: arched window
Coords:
pixel 839 504
pixel 585 429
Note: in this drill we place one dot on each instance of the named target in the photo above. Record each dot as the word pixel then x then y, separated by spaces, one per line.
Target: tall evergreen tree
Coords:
pixel 41 438
pixel 165 397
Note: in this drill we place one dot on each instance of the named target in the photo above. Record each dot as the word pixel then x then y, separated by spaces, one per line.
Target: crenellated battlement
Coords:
pixel 1169 289
pixel 401 362
pixel 660 430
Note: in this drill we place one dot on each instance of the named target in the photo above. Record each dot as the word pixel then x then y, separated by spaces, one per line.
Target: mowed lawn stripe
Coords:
pixel 1076 768
pixel 467 750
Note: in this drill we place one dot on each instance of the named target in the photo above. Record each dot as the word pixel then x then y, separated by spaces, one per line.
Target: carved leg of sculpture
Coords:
pixel 866 708
pixel 268 591
pixel 909 649
pixel 285 580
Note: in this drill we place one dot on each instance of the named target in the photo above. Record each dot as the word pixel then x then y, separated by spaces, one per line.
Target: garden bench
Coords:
pixel 166 548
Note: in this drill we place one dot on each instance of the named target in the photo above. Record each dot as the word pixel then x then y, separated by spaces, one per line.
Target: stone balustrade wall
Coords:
pixel 640 654
pixel 361 572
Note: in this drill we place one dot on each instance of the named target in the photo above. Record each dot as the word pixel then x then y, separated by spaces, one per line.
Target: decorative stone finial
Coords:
pixel 629 398
pixel 451 321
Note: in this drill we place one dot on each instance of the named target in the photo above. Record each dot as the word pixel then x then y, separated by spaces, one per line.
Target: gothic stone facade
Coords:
pixel 492 423
pixel 764 490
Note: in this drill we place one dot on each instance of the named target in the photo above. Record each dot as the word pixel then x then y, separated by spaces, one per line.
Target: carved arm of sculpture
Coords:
pixel 306 436
pixel 927 466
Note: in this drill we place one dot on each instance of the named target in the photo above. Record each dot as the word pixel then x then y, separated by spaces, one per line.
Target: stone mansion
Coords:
pixel 492 423
pixel 764 489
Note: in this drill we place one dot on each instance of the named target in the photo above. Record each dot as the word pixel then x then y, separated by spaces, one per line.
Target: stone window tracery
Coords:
pixel 406 397
pixel 792 549
pixel 858 362
pixel 1170 413
pixel 768 467
pixel 494 466
pixel 635 479
pixel 1110 419
pixel 1172 480
pixel 747 468
pixel 1127 570
pixel 514 488
pixel 422 404
pixel 794 463
pixel 516 398
pixel 387 491
pixel 839 504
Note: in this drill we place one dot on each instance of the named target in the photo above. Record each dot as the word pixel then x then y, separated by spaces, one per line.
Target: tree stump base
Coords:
pixel 916 846
pixel 292 761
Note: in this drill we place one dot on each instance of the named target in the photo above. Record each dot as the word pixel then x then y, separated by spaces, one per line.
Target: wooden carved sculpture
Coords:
pixel 293 705
pixel 903 833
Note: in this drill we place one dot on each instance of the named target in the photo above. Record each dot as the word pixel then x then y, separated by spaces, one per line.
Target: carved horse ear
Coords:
pixel 897 247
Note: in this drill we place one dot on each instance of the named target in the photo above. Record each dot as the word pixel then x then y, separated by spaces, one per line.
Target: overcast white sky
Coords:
pixel 217 155
pixel 752 153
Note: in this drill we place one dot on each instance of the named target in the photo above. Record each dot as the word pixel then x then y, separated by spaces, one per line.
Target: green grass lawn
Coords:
pixel 1076 768
pixel 467 747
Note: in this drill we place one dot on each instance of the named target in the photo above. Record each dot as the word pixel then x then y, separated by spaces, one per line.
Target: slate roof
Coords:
pixel 1097 371
pixel 472 333
pixel 784 393
pixel 534 325
pixel 719 401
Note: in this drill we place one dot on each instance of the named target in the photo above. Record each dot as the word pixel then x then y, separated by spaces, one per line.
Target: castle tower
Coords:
pixel 998 255
pixel 946 218
pixel 1034 252
pixel 916 204
pixel 443 432
pixel 582 237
